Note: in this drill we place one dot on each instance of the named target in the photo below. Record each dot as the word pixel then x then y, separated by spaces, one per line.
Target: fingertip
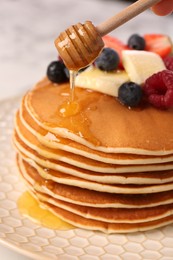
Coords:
pixel 163 8
pixel 160 12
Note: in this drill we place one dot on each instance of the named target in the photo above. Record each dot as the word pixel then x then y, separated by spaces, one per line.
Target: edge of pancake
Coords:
pixel 63 132
pixel 52 144
pixel 107 199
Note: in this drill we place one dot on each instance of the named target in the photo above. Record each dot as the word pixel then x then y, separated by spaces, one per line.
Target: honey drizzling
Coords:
pixel 72 84
pixel 74 116
pixel 84 44
pixel 30 207
pixel 70 107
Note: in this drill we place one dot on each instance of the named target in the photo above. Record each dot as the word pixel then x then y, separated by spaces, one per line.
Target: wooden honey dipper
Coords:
pixel 80 44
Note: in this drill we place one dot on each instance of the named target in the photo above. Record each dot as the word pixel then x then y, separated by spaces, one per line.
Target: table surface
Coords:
pixel 29 29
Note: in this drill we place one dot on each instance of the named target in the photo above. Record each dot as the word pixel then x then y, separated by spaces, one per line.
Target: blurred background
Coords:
pixel 28 29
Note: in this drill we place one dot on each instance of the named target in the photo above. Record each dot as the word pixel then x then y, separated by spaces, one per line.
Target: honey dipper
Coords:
pixel 80 44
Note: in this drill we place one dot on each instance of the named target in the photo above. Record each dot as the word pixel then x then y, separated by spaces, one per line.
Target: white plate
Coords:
pixel 38 242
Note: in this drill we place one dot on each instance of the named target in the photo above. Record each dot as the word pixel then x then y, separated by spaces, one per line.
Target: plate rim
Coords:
pixel 24 252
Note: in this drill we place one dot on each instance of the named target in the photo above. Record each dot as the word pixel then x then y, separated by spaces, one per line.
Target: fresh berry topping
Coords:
pixel 158 43
pixel 108 60
pixel 168 62
pixel 130 94
pixel 56 72
pixel 116 45
pixel 136 42
pixel 159 89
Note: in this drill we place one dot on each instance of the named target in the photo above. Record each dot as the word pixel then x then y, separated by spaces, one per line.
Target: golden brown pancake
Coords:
pixel 91 198
pixel 119 130
pixel 108 215
pixel 91 224
pixel 29 136
pixel 107 227
pixel 68 179
pixel 104 167
pixel 52 163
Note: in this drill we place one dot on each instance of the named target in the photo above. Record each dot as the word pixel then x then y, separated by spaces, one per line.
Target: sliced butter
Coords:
pixel 101 81
pixel 140 65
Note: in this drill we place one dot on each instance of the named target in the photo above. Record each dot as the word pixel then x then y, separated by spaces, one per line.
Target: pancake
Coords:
pixel 156 177
pixel 98 168
pixel 106 227
pixel 51 163
pixel 87 197
pixel 103 187
pixel 112 215
pixel 29 137
pixel 114 138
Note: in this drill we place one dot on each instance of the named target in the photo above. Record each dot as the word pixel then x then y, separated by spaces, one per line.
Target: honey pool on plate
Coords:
pixel 31 208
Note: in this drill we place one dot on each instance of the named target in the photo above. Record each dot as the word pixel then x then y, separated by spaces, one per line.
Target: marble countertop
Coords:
pixel 28 29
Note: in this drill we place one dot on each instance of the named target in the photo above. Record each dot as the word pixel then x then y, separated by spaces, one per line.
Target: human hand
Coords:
pixel 164 7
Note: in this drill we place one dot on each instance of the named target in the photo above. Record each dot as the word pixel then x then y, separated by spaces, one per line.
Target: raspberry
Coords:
pixel 169 62
pixel 158 89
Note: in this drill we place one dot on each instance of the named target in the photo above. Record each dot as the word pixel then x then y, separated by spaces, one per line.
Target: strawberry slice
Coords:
pixel 158 43
pixel 115 44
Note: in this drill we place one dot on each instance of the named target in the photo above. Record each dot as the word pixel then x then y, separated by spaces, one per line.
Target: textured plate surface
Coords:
pixel 38 242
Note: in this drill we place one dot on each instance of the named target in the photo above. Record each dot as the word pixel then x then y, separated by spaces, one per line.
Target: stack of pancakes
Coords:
pixel 106 167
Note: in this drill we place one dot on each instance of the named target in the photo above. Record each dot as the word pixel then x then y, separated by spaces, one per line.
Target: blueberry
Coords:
pixel 130 94
pixel 136 42
pixel 56 72
pixel 108 60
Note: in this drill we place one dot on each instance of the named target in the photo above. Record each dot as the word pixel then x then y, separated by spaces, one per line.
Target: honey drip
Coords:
pixel 74 117
pixel 72 84
pixel 30 207
pixel 70 107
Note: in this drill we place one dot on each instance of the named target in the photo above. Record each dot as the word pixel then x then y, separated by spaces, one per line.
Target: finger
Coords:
pixel 164 7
